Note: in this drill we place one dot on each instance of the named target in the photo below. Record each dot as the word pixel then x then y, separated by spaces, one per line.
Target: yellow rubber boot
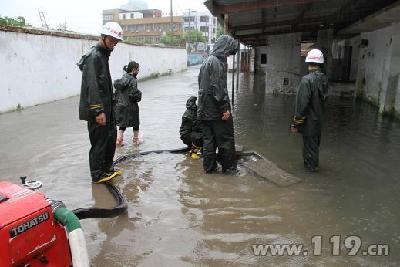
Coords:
pixel 195 152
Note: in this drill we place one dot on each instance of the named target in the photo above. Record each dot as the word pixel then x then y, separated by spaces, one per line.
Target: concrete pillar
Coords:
pixel 283 63
pixel 324 42
pixel 378 77
pixel 255 60
pixel 252 61
pixel 361 69
pixel 390 83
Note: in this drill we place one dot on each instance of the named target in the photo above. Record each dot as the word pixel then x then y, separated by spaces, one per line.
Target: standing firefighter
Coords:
pixel 96 105
pixel 310 100
pixel 127 96
pixel 214 110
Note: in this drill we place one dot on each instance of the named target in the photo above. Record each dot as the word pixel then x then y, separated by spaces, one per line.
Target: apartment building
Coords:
pixel 201 21
pixel 144 25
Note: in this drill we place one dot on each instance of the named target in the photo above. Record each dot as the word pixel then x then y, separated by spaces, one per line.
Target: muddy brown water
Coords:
pixel 178 216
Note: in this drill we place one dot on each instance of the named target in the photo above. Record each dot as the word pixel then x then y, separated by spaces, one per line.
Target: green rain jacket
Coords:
pixel 189 119
pixel 213 93
pixel 96 88
pixel 127 96
pixel 310 102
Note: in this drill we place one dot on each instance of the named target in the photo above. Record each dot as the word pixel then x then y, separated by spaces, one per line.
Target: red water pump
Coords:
pixel 29 232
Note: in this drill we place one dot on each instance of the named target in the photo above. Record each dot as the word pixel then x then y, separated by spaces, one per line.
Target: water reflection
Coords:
pixel 357 188
pixel 178 216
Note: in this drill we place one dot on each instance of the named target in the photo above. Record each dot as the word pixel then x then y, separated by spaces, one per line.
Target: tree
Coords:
pixel 170 39
pixel 18 22
pixel 194 37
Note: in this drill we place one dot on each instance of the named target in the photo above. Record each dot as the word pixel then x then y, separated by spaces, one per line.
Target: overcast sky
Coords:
pixel 81 15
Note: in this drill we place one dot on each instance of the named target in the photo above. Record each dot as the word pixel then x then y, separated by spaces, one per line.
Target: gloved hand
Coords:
pixel 293 128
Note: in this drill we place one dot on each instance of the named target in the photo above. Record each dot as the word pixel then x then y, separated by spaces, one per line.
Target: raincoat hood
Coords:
pixel 225 46
pixel 122 83
pixel 191 103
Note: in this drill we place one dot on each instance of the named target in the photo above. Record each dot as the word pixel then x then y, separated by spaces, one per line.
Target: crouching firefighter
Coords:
pixel 214 110
pixel 190 130
pixel 96 105
pixel 310 101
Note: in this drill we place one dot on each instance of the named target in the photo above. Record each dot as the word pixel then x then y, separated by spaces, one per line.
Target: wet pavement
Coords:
pixel 178 216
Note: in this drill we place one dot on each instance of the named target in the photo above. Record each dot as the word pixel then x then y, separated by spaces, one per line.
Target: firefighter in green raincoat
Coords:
pixel 310 101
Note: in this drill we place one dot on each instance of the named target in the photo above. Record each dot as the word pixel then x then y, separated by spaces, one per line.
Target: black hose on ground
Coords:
pixel 143 153
pixel 85 213
pixel 121 207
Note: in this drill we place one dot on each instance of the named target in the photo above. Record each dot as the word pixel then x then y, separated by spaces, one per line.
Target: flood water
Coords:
pixel 178 216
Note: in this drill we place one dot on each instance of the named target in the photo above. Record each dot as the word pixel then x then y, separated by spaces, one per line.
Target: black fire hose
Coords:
pixel 84 213
pixel 93 212
pixel 134 155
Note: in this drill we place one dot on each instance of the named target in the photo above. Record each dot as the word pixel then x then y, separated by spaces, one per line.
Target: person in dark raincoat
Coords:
pixel 95 105
pixel 127 97
pixel 310 101
pixel 190 131
pixel 214 110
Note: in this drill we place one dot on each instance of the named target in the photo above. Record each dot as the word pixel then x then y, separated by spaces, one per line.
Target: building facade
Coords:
pixel 144 26
pixel 201 21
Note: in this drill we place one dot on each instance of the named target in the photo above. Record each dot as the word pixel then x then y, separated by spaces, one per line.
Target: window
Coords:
pixel 132 16
pixel 204 28
pixel 285 81
pixel 188 19
pixel 123 16
pixel 108 17
pixel 204 19
pixel 263 58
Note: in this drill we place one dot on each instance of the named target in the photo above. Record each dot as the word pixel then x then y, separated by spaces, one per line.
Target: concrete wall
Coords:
pixel 324 43
pixel 344 60
pixel 379 68
pixel 40 68
pixel 355 43
pixel 258 51
pixel 251 63
pixel 283 67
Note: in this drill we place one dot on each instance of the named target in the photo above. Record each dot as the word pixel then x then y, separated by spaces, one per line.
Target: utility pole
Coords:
pixel 190 18
pixel 172 19
pixel 196 30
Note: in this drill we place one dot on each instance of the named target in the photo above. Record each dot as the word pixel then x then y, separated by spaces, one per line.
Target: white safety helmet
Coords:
pixel 315 56
pixel 112 29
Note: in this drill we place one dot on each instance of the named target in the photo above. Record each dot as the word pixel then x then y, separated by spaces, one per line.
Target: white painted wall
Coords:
pixel 395 72
pixel 379 67
pixel 37 69
pixel 283 62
